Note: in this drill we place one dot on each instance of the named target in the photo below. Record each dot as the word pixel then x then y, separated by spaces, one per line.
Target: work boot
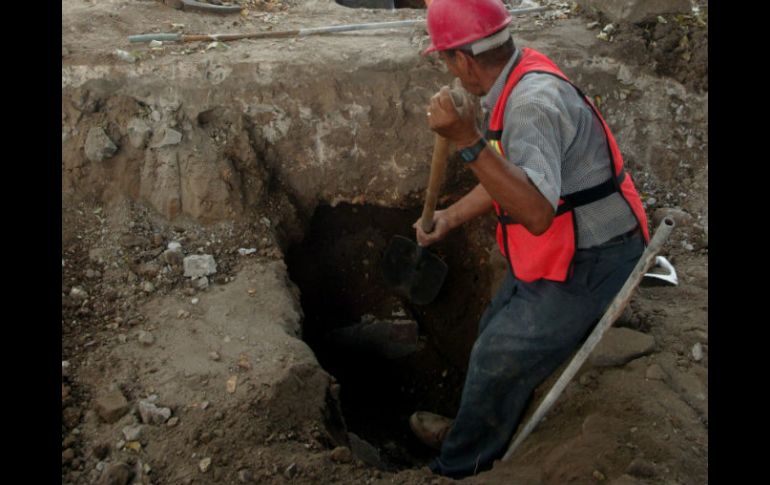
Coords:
pixel 430 428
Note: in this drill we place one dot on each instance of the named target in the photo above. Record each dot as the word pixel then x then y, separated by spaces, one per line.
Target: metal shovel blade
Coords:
pixel 413 271
pixel 668 277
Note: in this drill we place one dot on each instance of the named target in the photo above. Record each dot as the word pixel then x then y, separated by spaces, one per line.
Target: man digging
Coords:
pixel 571 223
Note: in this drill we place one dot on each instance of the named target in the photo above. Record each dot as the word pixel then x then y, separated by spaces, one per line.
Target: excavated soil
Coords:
pixel 293 162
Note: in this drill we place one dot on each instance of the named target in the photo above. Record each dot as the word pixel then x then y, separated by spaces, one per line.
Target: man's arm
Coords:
pixel 473 204
pixel 504 182
pixel 510 186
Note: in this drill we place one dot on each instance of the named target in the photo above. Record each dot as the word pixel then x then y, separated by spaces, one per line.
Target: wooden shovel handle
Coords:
pixel 438 168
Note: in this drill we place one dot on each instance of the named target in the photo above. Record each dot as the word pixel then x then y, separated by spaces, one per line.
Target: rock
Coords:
pixel 172 422
pixel 201 283
pixel 599 476
pixel 124 56
pixel 71 416
pixel 132 241
pixel 98 145
pixel 246 252
pixel 69 441
pixel 619 346
pixel 291 471
pixel 101 450
pixel 635 11
pixel 641 468
pixel 609 29
pixel 148 287
pixel 148 270
pixel 112 406
pixel 625 76
pixel 204 465
pixel 680 217
pixel 152 414
pixel 172 258
pixel 133 433
pixel 196 266
pixel 174 246
pixel 138 132
pixel 390 339
pixel 697 352
pixel 116 474
pixel 146 338
pixel 213 355
pixel 341 454
pixel 231 384
pixel 67 456
pixel 170 137
pixel 655 373
pixel 78 294
pixel 364 451
pixel 245 476
pixel 65 368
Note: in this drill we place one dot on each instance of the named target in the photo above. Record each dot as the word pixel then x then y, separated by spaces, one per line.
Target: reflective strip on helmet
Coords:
pixel 488 43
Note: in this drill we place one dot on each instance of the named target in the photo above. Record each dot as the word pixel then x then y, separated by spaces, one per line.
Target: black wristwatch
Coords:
pixel 471 153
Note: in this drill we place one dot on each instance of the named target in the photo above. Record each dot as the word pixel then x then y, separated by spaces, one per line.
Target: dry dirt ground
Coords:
pixel 292 162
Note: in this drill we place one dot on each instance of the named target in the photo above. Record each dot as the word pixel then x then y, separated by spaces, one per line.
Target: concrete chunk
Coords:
pixel 170 137
pixel 391 339
pixel 196 266
pixel 138 132
pixel 152 414
pixel 98 145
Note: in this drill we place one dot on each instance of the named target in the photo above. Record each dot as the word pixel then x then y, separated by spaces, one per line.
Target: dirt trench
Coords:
pixel 292 163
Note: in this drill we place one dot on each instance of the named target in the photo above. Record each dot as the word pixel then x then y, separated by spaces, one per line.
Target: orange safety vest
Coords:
pixel 549 256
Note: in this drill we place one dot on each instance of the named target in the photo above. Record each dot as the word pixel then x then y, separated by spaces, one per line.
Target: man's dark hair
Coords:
pixel 493 57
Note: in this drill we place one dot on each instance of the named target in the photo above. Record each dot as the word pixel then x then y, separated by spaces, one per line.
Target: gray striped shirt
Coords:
pixel 552 134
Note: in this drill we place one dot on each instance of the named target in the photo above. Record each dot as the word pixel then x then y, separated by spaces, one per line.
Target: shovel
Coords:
pixel 409 269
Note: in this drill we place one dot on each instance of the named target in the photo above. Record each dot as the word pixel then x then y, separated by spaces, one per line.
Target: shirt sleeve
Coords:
pixel 532 138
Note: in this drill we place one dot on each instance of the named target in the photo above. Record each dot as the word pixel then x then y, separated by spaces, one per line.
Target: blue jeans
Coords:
pixel 528 330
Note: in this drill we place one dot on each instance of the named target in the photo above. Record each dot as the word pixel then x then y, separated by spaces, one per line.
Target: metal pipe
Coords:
pixel 176 37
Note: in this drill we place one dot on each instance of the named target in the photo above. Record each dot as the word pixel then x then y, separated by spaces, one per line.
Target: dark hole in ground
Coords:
pixel 337 268
pixel 389 4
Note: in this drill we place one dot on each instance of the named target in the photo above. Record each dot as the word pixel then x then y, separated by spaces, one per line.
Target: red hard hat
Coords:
pixel 452 23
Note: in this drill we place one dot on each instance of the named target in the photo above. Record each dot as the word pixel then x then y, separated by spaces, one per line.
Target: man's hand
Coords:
pixel 441 227
pixel 443 118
